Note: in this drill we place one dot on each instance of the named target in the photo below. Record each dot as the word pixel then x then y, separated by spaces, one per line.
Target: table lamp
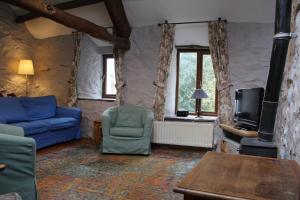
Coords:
pixel 199 94
pixel 26 68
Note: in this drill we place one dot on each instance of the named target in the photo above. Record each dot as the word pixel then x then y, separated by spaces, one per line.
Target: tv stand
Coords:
pixel 232 138
pixel 238 131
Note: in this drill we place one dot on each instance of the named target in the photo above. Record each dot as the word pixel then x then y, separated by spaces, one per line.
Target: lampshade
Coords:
pixel 26 67
pixel 199 94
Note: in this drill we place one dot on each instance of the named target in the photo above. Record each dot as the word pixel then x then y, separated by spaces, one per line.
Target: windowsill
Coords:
pixel 191 118
pixel 103 99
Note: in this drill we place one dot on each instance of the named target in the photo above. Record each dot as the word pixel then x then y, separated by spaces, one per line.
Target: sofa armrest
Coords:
pixel 2 120
pixel 148 123
pixel 68 112
pixel 19 155
pixel 11 130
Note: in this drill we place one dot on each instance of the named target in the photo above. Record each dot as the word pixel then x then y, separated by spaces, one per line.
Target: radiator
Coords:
pixel 183 133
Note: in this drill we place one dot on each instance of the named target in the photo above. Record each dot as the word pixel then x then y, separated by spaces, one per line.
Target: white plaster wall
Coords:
pixel 89 85
pixel 249 47
pixel 90 70
pixel 192 34
pixel 141 63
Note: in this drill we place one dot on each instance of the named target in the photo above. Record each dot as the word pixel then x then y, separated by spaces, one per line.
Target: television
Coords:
pixel 248 104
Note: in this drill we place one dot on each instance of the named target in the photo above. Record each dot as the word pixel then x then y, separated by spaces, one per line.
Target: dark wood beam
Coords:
pixel 118 16
pixel 48 11
pixel 64 6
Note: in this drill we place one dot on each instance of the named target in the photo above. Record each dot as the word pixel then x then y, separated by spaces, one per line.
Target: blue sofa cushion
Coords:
pixel 11 110
pixel 60 123
pixel 34 127
pixel 38 108
pixel 126 132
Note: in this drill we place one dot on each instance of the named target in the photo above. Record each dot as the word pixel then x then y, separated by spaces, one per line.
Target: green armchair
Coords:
pixel 127 130
pixel 18 153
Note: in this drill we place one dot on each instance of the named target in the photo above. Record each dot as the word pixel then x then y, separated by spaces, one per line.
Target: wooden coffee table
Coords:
pixel 240 177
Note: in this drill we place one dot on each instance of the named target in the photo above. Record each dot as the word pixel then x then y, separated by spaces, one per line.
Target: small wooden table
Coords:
pixel 240 177
pixel 97 132
pixel 2 167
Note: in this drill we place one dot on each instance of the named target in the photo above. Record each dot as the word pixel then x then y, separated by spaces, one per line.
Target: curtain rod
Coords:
pixel 194 22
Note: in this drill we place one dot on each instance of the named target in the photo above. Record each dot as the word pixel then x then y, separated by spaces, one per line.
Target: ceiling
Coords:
pixel 150 12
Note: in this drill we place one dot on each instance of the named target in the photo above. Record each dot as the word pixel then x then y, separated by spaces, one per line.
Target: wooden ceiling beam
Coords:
pixel 64 6
pixel 118 16
pixel 48 11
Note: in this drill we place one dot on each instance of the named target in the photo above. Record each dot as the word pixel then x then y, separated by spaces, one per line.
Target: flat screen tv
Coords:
pixel 248 104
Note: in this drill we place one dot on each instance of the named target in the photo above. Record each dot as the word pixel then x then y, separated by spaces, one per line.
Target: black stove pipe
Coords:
pixel 277 64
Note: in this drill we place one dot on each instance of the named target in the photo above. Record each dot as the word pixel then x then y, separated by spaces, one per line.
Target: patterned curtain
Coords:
pixel 120 84
pixel 72 99
pixel 219 53
pixel 165 55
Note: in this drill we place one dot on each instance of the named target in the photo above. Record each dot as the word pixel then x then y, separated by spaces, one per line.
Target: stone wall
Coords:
pixel 16 43
pixel 287 127
pixel 52 59
pixel 92 111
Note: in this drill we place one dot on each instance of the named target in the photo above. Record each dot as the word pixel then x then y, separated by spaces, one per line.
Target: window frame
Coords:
pixel 200 52
pixel 104 94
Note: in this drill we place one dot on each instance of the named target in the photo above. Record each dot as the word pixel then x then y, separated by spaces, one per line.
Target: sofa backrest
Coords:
pixel 38 108
pixel 11 110
pixel 130 116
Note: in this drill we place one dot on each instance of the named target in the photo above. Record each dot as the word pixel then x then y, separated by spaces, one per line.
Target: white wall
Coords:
pixel 190 34
pixel 140 66
pixel 249 47
pixel 90 70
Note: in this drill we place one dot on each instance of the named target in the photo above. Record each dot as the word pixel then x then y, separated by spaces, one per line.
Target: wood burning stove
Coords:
pixel 263 145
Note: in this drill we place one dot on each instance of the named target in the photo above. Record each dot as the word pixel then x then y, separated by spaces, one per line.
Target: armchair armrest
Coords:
pixel 148 122
pixel 68 112
pixel 19 155
pixel 107 120
pixel 11 130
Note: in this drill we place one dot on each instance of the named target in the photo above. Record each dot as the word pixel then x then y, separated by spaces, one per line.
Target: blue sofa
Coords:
pixel 41 119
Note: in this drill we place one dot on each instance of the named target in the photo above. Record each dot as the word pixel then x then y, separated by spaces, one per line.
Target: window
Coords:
pixel 109 79
pixel 195 70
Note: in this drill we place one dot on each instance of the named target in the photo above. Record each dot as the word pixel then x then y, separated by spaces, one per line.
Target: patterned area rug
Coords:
pixel 79 171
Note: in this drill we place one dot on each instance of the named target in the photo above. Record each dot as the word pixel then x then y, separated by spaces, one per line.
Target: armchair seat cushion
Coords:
pixel 31 128
pixel 60 123
pixel 126 132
